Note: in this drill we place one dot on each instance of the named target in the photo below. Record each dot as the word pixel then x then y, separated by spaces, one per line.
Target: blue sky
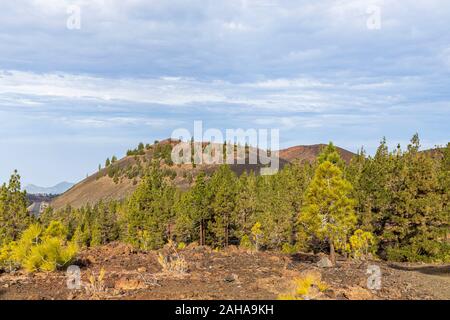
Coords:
pixel 136 70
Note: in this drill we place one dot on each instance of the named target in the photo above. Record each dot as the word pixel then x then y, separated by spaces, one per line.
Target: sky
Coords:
pixel 81 81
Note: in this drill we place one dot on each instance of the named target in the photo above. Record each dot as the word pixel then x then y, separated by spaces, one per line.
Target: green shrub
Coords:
pixel 307 287
pixel 39 250
pixel 96 235
pixel 257 234
pixel 289 248
pixel 30 237
pixel 49 255
pixel 362 243
pixel 246 243
pixel 7 262
pixel 56 229
pixel 82 236
pixel 425 251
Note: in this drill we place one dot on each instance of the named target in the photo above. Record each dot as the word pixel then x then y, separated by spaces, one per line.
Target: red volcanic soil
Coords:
pixel 309 153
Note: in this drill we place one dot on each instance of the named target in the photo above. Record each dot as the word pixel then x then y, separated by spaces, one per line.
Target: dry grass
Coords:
pixel 307 287
pixel 96 288
pixel 173 262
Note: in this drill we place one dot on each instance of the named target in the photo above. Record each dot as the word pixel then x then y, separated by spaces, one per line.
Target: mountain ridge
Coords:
pixel 118 181
pixel 55 190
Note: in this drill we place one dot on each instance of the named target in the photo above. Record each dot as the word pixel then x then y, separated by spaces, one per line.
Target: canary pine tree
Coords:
pixel 193 212
pixel 444 181
pixel 14 217
pixel 416 220
pixel 294 180
pixel 149 211
pixel 246 204
pixel 328 211
pixel 331 154
pixel 222 193
pixel 275 213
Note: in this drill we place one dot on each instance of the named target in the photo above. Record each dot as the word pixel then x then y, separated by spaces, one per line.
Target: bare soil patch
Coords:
pixel 228 274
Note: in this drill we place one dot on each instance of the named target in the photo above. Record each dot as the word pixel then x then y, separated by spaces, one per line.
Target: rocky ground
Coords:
pixel 226 274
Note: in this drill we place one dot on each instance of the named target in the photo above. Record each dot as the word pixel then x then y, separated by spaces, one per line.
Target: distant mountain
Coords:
pixel 58 189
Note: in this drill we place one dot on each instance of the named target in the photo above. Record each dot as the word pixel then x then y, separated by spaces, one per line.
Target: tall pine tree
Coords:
pixel 328 211
pixel 149 211
pixel 14 217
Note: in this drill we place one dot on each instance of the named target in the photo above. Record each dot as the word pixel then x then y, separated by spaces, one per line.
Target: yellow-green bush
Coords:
pixel 257 234
pixel 6 260
pixel 40 250
pixel 29 238
pixel 82 236
pixel 289 248
pixel 306 288
pixel 143 240
pixel 362 243
pixel 246 243
pixel 56 229
pixel 49 255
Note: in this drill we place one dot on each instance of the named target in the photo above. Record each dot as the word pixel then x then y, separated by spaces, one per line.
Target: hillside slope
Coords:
pixel 309 153
pixel 120 179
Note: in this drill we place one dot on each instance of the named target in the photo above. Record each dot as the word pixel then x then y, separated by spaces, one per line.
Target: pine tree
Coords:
pixel 331 154
pixel 246 203
pixel 416 219
pixel 223 194
pixel 275 212
pixel 400 199
pixel 294 180
pixel 193 212
pixel 371 188
pixel 141 146
pixel 444 182
pixel 81 236
pixel 96 235
pixel 14 217
pixel 150 211
pixel 328 211
pixel 200 206
pixel 353 173
pixel 105 226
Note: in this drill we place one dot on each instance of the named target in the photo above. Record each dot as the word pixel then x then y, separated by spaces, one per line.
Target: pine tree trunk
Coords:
pixel 226 231
pixel 332 253
pixel 202 232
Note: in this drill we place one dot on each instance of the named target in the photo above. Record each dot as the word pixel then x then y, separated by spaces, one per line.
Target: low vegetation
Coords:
pixel 39 250
pixel 307 287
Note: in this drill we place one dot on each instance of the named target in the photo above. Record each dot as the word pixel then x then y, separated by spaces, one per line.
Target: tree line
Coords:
pixel 393 205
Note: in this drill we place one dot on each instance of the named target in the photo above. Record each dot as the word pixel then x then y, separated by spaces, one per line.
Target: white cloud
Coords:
pixel 278 95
